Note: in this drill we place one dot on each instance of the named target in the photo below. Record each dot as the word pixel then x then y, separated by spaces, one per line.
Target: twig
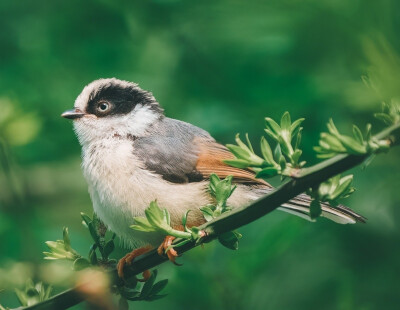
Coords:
pixel 305 178
pixel 64 300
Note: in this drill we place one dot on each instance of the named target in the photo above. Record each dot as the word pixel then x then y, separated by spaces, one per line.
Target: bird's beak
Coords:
pixel 73 114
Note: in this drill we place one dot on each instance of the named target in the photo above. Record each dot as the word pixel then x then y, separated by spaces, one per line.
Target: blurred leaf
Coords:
pixel 22 130
pixel 81 263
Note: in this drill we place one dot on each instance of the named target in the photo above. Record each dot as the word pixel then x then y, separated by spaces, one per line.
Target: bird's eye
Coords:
pixel 103 107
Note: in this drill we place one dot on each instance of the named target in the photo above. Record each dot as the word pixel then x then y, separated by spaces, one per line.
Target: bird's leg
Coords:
pixel 171 253
pixel 128 259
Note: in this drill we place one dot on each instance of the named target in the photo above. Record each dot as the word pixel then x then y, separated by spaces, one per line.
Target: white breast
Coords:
pixel 121 189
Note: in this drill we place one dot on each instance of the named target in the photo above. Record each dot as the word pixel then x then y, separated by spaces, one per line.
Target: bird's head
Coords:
pixel 113 108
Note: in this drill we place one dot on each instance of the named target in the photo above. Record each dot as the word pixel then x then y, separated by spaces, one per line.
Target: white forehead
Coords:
pixel 93 87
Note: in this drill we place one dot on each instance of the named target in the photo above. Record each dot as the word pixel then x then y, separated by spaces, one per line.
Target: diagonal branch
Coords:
pixel 305 178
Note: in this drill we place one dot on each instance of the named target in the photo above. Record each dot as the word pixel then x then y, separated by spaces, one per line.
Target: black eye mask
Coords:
pixel 121 99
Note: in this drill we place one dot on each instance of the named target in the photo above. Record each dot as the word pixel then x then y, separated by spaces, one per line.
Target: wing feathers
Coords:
pixel 211 160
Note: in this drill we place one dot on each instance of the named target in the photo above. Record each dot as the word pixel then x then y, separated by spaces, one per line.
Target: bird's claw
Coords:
pixel 128 259
pixel 166 248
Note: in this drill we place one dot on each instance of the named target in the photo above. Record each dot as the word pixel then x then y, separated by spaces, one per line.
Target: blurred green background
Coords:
pixel 222 65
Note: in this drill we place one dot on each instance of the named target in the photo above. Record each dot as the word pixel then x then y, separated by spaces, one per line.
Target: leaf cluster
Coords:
pixel 330 191
pixel 98 233
pixel 33 294
pixel 61 249
pixel 221 190
pixel 158 220
pixel 129 289
pixel 286 155
pixel 333 142
pixel 390 114
pixel 149 291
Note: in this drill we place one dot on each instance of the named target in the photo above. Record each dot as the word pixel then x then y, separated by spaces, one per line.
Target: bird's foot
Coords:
pixel 165 248
pixel 128 259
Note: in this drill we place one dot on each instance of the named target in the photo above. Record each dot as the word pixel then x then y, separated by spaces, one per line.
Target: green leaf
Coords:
pixel 93 257
pixel 67 242
pixel 267 172
pixel 266 151
pixel 368 132
pixel 323 154
pixel 93 233
pixel 59 251
pixel 157 220
pixel 296 124
pixel 237 163
pixel 158 287
pixel 230 240
pixel 296 156
pixel 315 209
pixel 142 224
pixel 272 126
pixel 47 293
pixel 132 295
pixel 352 146
pixel 249 143
pixel 148 285
pixel 154 214
pixel 387 119
pixel 282 163
pixel 86 218
pixel 238 151
pixel 271 134
pixel 214 179
pixel 343 187
pixel 358 135
pixel 285 147
pixel 242 145
pixel 298 138
pixel 278 152
pixel 184 218
pixel 332 128
pixel 207 213
pixel 81 263
pixel 331 142
pixel 156 297
pixel 167 217
pixel 22 298
pixel 224 190
pixel 56 246
pixel 108 248
pixel 285 121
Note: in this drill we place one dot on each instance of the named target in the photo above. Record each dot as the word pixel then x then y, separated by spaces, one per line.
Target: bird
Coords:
pixel 132 154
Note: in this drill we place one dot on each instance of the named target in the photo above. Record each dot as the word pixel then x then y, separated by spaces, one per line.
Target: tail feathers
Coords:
pixel 300 206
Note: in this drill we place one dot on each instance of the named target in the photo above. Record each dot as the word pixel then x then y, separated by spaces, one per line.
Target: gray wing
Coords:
pixel 170 150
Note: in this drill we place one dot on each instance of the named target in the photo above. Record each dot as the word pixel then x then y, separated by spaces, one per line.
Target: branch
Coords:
pixel 64 300
pixel 301 181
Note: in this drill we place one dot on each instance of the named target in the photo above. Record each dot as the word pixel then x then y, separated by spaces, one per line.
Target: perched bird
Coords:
pixel 132 155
